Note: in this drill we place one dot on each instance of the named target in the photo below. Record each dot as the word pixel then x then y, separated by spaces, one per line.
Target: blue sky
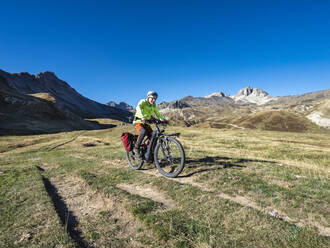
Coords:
pixel 118 50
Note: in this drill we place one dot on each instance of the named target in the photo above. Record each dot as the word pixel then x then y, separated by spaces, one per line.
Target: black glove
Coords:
pixel 164 121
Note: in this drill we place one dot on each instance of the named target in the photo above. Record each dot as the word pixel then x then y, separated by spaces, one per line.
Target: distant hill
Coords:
pixel 67 98
pixel 276 121
pixel 32 114
pixel 246 95
pixel 45 104
pixel 252 108
pixel 121 105
pixel 190 101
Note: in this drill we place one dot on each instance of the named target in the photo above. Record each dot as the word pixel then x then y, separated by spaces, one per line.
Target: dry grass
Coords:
pixel 240 188
pixel 44 96
pixel 276 121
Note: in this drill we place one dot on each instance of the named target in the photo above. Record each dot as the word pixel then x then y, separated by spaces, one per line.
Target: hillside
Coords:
pixel 320 113
pixel 276 121
pixel 35 113
pixel 45 104
pixel 67 98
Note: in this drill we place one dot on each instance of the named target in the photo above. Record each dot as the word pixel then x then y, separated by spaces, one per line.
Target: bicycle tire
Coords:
pixel 164 159
pixel 134 163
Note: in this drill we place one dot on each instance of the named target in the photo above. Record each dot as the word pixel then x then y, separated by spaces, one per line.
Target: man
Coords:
pixel 144 111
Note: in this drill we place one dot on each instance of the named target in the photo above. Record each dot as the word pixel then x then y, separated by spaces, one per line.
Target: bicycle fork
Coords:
pixel 166 150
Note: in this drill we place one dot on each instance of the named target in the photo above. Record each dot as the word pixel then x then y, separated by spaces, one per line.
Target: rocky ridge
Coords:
pixel 121 105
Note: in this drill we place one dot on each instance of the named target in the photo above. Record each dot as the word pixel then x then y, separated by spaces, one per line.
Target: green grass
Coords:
pixel 283 171
pixel 28 218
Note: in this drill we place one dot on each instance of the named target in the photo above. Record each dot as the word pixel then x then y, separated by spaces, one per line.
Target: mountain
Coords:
pixel 35 114
pixel 191 102
pixel 246 95
pixel 219 94
pixel 253 95
pixel 252 108
pixel 67 98
pixel 121 105
pixel 43 103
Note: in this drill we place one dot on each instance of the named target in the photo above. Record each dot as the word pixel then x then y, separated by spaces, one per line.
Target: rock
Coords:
pixel 272 213
pixel 319 119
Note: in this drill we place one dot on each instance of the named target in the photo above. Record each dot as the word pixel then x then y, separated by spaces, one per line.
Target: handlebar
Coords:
pixel 157 121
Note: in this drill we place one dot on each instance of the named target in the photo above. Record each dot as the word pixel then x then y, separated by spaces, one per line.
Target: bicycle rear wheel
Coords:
pixel 133 162
pixel 169 157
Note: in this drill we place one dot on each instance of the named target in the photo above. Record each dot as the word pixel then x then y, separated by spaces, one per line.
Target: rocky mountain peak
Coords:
pixel 245 91
pixel 48 75
pixel 218 94
pixel 248 91
pixel 252 95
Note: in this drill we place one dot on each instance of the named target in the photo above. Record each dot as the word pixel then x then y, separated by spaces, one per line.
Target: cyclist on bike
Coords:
pixel 144 111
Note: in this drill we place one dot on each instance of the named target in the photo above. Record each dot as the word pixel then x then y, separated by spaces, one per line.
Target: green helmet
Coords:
pixel 152 94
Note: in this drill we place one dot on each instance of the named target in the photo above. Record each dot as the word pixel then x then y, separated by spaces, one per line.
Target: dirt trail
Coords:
pixel 84 208
pixel 246 202
pixel 324 231
pixel 150 192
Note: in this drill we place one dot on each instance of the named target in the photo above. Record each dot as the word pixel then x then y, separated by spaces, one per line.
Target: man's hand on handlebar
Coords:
pixel 165 121
pixel 157 121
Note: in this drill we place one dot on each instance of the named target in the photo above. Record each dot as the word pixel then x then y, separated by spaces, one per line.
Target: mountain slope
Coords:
pixel 276 121
pixel 67 98
pixel 28 114
pixel 320 114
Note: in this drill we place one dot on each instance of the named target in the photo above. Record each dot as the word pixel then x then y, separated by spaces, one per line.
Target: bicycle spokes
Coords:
pixel 169 156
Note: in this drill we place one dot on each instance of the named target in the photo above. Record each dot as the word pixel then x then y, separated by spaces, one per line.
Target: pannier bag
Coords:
pixel 127 139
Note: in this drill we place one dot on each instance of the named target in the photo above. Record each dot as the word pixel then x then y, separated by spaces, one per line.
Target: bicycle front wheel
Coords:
pixel 169 157
pixel 133 162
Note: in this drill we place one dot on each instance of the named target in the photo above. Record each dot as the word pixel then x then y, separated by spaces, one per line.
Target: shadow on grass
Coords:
pixel 69 221
pixel 40 169
pixel 217 163
pixel 102 125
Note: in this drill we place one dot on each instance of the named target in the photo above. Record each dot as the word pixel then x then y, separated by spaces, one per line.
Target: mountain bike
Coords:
pixel 163 149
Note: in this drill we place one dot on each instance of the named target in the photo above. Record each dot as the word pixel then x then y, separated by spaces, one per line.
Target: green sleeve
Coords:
pixel 159 116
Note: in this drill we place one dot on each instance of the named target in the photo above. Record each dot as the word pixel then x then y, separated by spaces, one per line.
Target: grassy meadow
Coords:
pixel 239 188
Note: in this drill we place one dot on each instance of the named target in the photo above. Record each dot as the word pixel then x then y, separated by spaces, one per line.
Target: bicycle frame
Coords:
pixel 148 156
pixel 164 150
